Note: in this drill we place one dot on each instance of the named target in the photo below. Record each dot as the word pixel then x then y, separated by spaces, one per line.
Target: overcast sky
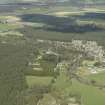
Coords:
pixel 10 1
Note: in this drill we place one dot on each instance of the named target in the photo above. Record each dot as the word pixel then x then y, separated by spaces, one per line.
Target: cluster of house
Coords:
pixel 91 48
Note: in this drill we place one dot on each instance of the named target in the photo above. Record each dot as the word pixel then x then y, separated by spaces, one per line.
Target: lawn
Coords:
pixel 98 77
pixel 38 81
pixel 90 95
pixel 6 27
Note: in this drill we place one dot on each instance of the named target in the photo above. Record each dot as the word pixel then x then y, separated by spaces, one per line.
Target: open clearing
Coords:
pixel 90 94
pixel 37 81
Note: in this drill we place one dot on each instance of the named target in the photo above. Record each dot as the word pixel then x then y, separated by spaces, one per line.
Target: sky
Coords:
pixel 11 1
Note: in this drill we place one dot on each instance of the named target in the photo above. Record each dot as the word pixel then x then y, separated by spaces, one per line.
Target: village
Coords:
pixel 91 55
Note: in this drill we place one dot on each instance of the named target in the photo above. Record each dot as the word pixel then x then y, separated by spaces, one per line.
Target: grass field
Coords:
pixel 8 27
pixel 38 81
pixel 90 95
pixel 98 77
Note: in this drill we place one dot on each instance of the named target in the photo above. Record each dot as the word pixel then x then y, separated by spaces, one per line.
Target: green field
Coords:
pixel 7 27
pixel 38 81
pixel 90 95
pixel 98 77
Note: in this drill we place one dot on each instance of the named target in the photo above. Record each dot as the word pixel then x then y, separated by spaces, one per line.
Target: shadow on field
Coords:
pixel 91 15
pixel 61 24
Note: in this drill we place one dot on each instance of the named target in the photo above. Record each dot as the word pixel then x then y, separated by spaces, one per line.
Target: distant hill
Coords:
pixel 16 1
pixel 88 1
pixel 72 1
